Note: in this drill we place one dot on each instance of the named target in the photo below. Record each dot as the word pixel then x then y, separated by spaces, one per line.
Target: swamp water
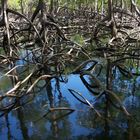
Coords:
pixel 33 122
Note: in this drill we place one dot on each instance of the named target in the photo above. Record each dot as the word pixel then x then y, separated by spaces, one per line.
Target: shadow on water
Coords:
pixel 57 114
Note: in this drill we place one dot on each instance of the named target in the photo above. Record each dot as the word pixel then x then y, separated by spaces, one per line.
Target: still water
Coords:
pixel 33 122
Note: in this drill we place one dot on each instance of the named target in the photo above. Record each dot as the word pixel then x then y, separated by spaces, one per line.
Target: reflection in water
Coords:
pixel 9 136
pixel 23 128
pixel 33 122
pixel 58 123
pixel 54 124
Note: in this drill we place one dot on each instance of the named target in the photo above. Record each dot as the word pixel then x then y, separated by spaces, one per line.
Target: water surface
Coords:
pixel 30 122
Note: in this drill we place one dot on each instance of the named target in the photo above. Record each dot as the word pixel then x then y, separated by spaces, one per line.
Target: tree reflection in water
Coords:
pixel 32 121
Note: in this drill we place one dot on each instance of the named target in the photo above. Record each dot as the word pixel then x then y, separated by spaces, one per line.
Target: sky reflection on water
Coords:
pixel 27 122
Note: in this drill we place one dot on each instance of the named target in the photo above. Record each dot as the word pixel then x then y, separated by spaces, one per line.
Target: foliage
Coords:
pixel 78 39
pixel 15 4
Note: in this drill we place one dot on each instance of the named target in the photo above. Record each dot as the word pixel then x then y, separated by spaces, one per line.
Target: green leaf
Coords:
pixel 78 39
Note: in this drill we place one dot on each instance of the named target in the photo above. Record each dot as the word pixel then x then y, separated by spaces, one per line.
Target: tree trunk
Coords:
pixel 21 5
pixel 96 5
pixel 40 7
pixel 110 9
pixel 3 11
pixel 102 9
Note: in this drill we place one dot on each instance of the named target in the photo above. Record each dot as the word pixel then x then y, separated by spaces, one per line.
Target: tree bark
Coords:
pixel 40 7
pixel 96 5
pixel 110 9
pixel 3 11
